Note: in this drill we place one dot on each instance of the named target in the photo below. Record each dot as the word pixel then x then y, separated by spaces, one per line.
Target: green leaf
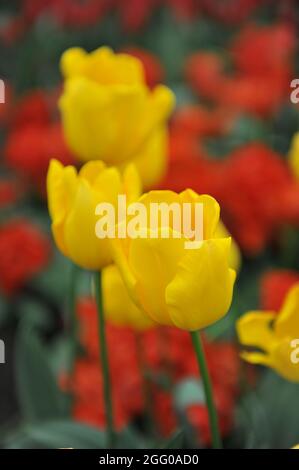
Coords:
pixel 58 434
pixel 129 439
pixel 38 392
pixel 175 441
pixel 55 434
pixel 268 416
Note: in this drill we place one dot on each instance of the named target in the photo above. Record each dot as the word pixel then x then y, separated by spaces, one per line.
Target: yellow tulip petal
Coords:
pixel 287 323
pixel 154 263
pixel 84 248
pixel 88 118
pixel 167 202
pixel 120 254
pixel 58 234
pixel 211 210
pixel 72 62
pixel 162 103
pixel 257 358
pixel 91 170
pixel 132 185
pixel 118 305
pixel 152 160
pixel 137 104
pixel 201 292
pixel 61 186
pixel 254 329
pixel 281 359
pixel 108 185
pixel 294 155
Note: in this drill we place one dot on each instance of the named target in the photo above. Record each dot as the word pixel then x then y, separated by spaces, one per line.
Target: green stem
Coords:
pixel 104 360
pixel 71 320
pixel 203 369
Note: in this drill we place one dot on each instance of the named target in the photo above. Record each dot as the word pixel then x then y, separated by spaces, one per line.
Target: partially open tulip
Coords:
pixel 72 199
pixel 294 155
pixel 118 305
pixel 276 336
pixel 108 111
pixel 186 288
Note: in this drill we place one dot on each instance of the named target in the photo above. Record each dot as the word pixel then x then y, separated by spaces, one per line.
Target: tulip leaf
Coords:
pixel 175 441
pixel 58 434
pixel 55 434
pixel 37 389
pixel 129 439
pixel 268 416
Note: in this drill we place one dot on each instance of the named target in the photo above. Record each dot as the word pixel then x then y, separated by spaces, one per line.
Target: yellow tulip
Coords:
pixel 118 305
pixel 72 199
pixel 235 254
pixel 152 161
pixel 294 155
pixel 108 112
pixel 186 288
pixel 273 335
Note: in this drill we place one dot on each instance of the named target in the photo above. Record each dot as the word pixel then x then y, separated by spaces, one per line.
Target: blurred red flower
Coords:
pixel 33 108
pixel 29 149
pixel 275 285
pixel 166 352
pixel 67 12
pixel 243 183
pixel 230 11
pixel 10 191
pixel 24 251
pixel 252 50
pixel 256 185
pixel 247 88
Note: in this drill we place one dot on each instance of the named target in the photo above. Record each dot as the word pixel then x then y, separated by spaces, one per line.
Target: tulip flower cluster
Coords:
pixel 104 96
pixel 149 224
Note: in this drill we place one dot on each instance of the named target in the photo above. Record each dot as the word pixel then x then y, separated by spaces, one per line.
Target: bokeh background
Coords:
pixel 230 64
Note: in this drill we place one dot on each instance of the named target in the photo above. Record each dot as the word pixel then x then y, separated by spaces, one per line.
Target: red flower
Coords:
pixel 136 13
pixel 253 49
pixel 10 191
pixel 230 11
pixel 24 251
pixel 7 106
pixel 66 12
pixel 253 196
pixel 125 371
pixel 247 88
pixel 87 389
pixel 202 122
pixel 275 285
pixel 30 148
pixel 31 109
pixel 166 352
pixel 78 13
pixel 204 72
